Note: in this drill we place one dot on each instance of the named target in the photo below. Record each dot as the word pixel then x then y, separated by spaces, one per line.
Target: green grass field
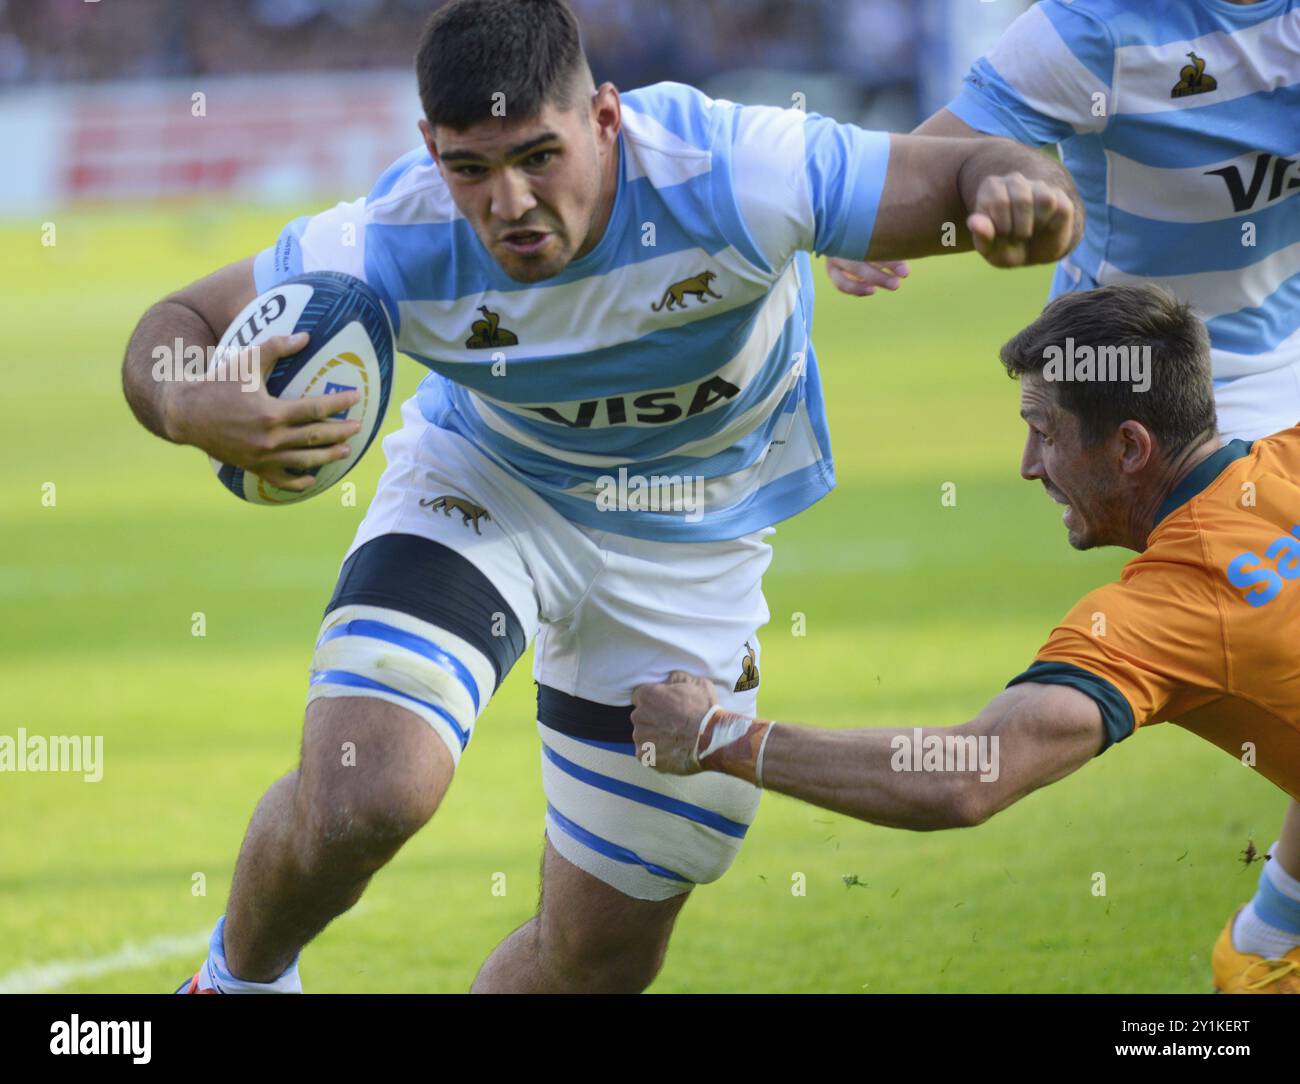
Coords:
pixel 916 614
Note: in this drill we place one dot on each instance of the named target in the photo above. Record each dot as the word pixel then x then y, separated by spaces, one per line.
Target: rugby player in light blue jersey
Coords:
pixel 613 295
pixel 1178 121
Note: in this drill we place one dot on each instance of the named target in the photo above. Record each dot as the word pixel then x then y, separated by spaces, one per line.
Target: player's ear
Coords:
pixel 1136 448
pixel 607 113
pixel 426 131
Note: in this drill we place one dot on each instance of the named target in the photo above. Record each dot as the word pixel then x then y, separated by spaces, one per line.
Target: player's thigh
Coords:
pixel 432 608
pixel 655 608
pixel 648 836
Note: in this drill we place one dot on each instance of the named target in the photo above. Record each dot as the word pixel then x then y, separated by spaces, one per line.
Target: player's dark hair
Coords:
pixel 1178 407
pixel 479 57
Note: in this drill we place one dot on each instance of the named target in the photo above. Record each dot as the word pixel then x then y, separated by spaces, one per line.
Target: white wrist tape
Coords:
pixel 699 734
pixel 733 729
pixel 762 748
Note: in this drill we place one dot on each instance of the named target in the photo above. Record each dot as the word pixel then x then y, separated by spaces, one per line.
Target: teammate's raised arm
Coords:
pixel 860 278
pixel 246 428
pixel 936 777
pixel 945 122
pixel 1013 205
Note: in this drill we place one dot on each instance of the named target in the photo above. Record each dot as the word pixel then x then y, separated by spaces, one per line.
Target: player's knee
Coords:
pixel 590 961
pixel 372 775
pixel 351 824
pixel 392 704
pixel 350 834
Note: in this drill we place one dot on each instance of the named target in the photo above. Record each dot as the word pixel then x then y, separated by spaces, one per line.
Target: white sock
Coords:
pixel 1269 925
pixel 216 975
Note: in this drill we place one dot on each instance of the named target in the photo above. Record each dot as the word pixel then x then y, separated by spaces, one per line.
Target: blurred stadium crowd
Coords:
pixel 869 43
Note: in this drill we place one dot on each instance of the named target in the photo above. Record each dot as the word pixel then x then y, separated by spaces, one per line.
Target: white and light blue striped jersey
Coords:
pixel 1180 122
pixel 678 347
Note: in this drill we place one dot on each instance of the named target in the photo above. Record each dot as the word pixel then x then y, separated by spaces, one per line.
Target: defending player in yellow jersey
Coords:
pixel 1200 629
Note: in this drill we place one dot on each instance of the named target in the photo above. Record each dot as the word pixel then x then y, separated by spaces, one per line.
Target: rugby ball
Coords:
pixel 351 348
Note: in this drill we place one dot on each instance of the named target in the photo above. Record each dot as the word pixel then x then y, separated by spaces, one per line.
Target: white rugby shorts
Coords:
pixel 457 566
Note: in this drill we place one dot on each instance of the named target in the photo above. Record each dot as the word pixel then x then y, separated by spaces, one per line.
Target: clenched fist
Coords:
pixel 667 716
pixel 1015 221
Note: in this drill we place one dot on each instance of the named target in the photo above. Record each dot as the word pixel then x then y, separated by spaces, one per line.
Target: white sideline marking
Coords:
pixel 43 978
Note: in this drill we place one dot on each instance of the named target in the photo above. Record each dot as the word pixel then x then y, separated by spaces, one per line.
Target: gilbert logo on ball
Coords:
pixel 350 349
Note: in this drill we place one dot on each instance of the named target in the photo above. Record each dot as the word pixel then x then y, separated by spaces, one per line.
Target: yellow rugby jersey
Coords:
pixel 1203 628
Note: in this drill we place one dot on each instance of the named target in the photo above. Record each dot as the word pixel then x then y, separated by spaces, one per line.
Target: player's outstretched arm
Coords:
pixel 1013 205
pixel 235 420
pixel 1026 737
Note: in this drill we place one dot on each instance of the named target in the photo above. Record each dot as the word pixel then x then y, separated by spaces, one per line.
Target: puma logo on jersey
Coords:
pixel 652 408
pixel 489 332
pixel 1192 79
pixel 1283 179
pixel 698 287
pixel 470 513
pixel 748 671
pixel 1260 584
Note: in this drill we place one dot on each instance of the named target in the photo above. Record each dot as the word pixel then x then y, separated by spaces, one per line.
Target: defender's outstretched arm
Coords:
pixel 1025 738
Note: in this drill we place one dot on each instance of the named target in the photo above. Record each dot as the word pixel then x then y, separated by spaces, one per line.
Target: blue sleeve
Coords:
pixel 846 177
pixel 798 182
pixel 1048 78
pixel 988 104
